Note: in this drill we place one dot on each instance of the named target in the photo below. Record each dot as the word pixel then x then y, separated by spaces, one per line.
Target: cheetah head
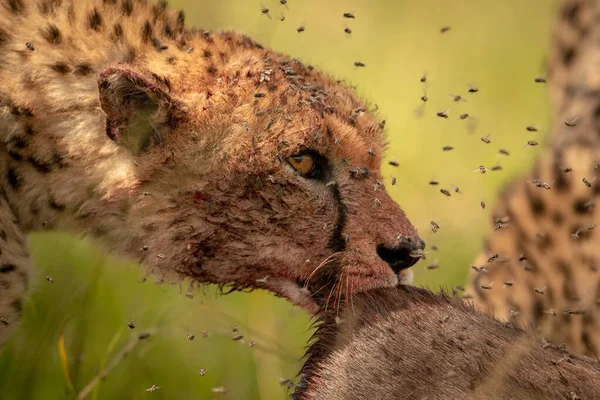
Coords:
pixel 241 167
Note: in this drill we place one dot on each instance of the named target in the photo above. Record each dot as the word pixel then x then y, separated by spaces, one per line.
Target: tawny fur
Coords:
pixel 547 273
pixel 170 146
pixel 409 343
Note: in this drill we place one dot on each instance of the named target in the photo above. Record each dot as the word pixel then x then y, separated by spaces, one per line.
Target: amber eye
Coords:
pixel 303 163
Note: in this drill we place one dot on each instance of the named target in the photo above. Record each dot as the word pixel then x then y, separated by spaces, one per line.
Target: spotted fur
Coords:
pixel 547 273
pixel 169 145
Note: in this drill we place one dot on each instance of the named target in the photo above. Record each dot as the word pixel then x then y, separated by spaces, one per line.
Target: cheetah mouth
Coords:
pixel 334 292
pixel 336 280
pixel 401 265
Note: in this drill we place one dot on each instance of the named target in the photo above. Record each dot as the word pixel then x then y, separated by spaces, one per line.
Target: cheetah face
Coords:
pixel 260 174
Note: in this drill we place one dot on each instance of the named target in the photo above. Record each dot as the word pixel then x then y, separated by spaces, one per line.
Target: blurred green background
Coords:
pixel 498 47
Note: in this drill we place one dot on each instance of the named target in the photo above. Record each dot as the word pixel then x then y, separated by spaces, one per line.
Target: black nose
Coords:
pixel 404 255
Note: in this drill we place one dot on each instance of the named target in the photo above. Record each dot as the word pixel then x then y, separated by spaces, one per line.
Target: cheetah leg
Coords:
pixel 14 266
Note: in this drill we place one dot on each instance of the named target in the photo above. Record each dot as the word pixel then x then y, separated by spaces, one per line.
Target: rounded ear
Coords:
pixel 139 110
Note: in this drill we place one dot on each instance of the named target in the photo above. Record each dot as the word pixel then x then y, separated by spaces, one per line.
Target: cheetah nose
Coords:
pixel 404 255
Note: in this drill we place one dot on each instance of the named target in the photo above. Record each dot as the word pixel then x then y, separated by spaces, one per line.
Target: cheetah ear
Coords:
pixel 139 109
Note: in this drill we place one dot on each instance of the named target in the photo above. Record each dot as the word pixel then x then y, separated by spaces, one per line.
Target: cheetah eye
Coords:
pixel 303 163
pixel 308 165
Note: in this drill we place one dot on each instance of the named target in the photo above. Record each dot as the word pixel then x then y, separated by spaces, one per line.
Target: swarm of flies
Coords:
pixel 452 111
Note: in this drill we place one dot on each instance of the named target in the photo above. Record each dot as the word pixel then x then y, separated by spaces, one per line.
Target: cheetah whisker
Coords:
pixel 322 264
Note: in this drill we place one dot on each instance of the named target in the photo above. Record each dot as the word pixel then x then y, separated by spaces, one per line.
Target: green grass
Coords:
pixel 93 297
pixel 498 47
